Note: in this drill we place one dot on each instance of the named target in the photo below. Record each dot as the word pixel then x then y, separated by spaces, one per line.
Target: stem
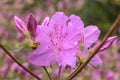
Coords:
pixel 47 73
pixel 9 54
pixel 59 72
pixel 78 70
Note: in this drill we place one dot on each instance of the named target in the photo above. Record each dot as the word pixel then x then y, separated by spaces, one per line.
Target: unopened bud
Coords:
pixel 32 25
pixel 20 25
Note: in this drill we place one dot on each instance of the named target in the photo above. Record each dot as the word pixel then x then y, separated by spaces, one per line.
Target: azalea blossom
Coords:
pixel 61 38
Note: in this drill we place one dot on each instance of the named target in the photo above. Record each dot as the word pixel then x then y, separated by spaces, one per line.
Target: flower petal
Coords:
pixel 96 61
pixel 46 21
pixel 42 56
pixel 59 18
pixel 72 41
pixel 58 21
pixel 67 57
pixel 91 35
pixel 76 22
pixel 43 34
pixel 74 32
pixel 73 37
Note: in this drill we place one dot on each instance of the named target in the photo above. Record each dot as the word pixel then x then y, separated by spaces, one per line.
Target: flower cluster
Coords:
pixel 62 39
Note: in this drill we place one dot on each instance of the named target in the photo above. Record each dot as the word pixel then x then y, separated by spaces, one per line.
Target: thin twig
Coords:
pixel 9 54
pixel 114 26
pixel 47 73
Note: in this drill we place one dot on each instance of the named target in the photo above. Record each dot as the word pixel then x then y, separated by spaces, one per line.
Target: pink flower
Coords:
pixel 60 40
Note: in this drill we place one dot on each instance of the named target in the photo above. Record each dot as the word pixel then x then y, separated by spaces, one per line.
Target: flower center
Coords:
pixel 57 37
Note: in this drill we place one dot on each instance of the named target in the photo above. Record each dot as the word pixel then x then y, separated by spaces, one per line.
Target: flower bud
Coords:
pixel 107 44
pixel 32 25
pixel 20 25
